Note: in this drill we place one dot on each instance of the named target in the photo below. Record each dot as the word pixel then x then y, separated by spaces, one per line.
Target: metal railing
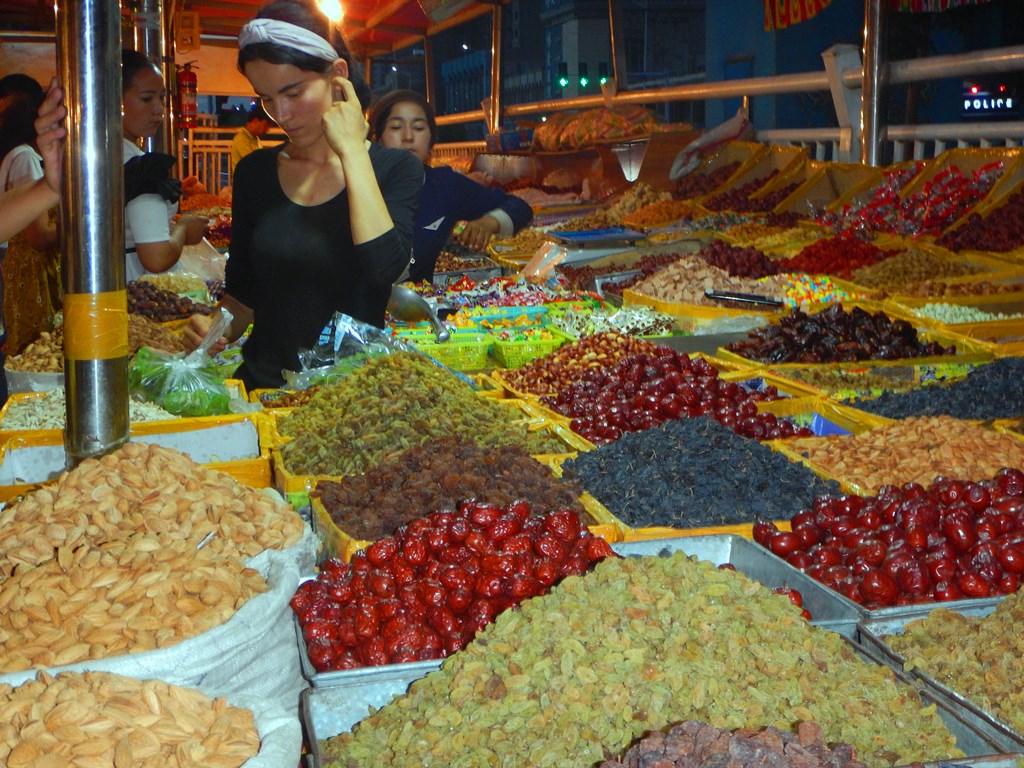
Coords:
pixel 206 155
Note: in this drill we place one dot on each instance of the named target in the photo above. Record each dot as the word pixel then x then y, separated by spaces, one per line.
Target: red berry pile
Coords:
pixel 424 592
pixel 838 256
pixel 644 390
pixel 956 539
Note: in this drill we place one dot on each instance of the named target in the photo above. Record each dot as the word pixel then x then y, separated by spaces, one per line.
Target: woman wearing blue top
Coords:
pixel 404 120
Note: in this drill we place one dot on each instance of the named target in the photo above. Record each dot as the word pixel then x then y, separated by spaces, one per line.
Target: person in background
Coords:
pixel 321 223
pixel 247 139
pixel 152 243
pixel 404 120
pixel 31 258
pixel 26 203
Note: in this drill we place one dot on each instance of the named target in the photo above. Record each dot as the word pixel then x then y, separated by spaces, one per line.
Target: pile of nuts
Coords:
pixel 87 719
pixel 107 560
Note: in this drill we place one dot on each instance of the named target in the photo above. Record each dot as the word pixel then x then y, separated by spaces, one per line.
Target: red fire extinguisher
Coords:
pixel 188 95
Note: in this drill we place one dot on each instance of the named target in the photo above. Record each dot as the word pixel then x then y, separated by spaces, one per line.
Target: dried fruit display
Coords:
pixel 87 719
pixel 686 281
pixel 284 399
pixel 978 657
pixel 631 647
pixel 990 391
pixel 939 289
pixel 691 474
pixel 911 544
pixel 144 490
pixel 911 266
pixel 1002 230
pixel 694 744
pixel 580 276
pixel 146 299
pixel 739 199
pixel 633 199
pixel 836 335
pixel 392 403
pixel 914 450
pixel 426 591
pixel 557 370
pixel 738 261
pixel 838 256
pixel 641 391
pixel 438 476
pixel 696 184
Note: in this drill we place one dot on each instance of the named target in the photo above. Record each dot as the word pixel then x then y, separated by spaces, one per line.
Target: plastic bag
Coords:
pixel 185 385
pixel 345 344
pixel 736 128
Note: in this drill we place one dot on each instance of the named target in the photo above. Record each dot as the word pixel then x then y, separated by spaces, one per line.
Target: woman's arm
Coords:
pixel 160 256
pixel 23 205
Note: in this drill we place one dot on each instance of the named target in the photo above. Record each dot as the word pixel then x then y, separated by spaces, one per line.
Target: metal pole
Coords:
pixel 149 39
pixel 428 72
pixel 92 215
pixel 496 100
pixel 875 78
pixel 618 45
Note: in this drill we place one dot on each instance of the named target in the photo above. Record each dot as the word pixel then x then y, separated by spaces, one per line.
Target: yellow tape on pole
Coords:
pixel 96 325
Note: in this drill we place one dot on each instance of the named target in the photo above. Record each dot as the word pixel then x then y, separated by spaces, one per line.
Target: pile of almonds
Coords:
pixel 142 489
pixel 129 596
pixel 100 719
pixel 107 560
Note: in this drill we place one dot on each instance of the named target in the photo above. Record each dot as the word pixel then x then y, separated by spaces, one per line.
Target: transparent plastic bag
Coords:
pixel 736 128
pixel 345 344
pixel 185 385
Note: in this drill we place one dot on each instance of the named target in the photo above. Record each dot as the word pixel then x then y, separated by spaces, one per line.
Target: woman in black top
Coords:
pixel 322 223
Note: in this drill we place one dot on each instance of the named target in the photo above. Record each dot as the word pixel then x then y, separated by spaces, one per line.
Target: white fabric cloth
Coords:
pixel 290 35
pixel 21 165
pixel 147 219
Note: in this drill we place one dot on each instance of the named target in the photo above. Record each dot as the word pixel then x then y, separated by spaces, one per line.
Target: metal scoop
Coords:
pixel 405 304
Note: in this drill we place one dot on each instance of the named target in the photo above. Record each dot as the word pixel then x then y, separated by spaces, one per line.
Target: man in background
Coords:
pixel 247 139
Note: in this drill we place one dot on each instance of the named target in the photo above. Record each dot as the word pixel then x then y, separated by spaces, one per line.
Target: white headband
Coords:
pixel 290 35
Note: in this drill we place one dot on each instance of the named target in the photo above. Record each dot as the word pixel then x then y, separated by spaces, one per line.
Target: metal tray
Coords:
pixel 334 710
pixel 922 609
pixel 328 712
pixel 829 610
pixel 871 634
pixel 599 237
pixel 383 673
pixel 974 737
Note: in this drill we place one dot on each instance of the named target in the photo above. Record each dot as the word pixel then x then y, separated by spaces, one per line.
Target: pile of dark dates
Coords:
pixel 836 335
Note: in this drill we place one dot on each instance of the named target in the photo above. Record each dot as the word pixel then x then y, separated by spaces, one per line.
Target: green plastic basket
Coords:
pixel 512 354
pixel 464 351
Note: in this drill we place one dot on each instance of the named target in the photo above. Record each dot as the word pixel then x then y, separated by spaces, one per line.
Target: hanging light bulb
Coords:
pixel 332 10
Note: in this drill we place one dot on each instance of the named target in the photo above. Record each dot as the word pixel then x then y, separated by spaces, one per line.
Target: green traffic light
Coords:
pixel 584 81
pixel 603 80
pixel 563 81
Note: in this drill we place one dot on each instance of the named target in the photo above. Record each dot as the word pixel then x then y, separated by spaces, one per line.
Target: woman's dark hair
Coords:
pixel 381 111
pixel 17 124
pixel 304 13
pixel 133 62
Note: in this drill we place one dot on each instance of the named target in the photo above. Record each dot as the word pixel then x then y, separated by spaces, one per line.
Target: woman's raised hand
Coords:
pixel 50 132
pixel 345 125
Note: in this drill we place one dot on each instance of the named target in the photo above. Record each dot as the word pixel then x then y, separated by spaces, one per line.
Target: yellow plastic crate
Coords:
pixel 31 459
pixel 828 182
pixel 761 166
pixel 289 483
pixel 746 530
pixel 338 543
pixel 690 317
